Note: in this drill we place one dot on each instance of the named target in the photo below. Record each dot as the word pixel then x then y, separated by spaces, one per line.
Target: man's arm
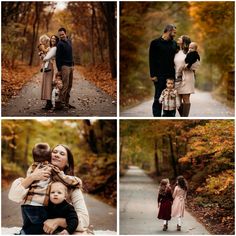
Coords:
pixel 59 55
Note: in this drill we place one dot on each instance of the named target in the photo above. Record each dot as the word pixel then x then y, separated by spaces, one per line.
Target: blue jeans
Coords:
pixel 33 219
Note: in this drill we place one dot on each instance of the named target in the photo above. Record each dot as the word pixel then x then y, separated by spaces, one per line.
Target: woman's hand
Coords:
pixel 51 225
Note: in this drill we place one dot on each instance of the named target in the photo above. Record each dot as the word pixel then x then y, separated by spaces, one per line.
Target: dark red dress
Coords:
pixel 165 207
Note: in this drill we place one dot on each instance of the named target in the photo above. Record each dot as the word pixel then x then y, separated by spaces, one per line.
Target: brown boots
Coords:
pixel 165 227
pixel 184 109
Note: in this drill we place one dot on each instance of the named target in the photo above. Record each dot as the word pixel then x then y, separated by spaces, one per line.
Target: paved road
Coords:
pixel 138 208
pixel 202 105
pixel 102 216
pixel 86 97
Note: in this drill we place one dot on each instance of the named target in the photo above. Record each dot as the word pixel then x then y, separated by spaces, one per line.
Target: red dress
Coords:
pixel 165 207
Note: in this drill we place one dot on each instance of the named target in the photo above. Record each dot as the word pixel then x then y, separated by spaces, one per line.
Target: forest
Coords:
pixel 200 150
pixel 92 142
pixel 210 24
pixel 91 26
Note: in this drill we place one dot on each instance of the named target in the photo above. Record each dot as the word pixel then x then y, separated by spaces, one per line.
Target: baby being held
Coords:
pixel 43 48
pixel 192 55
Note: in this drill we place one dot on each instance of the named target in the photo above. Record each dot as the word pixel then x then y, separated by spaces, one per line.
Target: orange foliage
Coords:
pixel 100 76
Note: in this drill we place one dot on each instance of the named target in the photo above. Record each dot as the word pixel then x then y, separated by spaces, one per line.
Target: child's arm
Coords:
pixel 71 220
pixel 68 180
pixel 42 47
pixel 161 98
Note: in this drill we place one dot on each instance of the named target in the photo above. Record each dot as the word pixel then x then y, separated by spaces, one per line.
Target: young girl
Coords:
pixel 179 196
pixel 43 49
pixel 164 202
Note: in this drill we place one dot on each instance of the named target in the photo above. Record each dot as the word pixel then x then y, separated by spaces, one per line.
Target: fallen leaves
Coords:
pixel 100 75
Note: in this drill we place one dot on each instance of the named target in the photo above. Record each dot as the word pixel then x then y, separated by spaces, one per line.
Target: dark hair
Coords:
pixel 172 79
pixel 57 40
pixel 169 27
pixel 69 170
pixel 186 41
pixel 41 152
pixel 182 183
pixel 62 29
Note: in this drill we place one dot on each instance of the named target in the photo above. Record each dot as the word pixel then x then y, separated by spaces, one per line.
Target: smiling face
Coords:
pixel 62 35
pixel 59 157
pixel 58 193
pixel 53 40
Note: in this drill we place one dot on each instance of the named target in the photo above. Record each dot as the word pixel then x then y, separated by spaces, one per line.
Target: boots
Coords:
pixel 186 109
pixel 48 105
pixel 178 228
pixel 180 110
pixel 165 227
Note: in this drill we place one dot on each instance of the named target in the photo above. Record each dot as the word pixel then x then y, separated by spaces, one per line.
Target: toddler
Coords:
pixel 58 207
pixel 56 92
pixel 43 48
pixel 169 99
pixel 192 55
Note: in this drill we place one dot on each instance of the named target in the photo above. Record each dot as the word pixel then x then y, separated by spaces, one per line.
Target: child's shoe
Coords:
pixel 178 228
pixel 165 227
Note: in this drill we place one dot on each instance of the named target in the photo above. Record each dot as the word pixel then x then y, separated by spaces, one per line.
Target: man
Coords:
pixel 65 63
pixel 161 62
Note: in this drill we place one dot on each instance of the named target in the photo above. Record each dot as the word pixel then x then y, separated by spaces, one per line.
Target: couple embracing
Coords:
pixel 56 52
pixel 172 70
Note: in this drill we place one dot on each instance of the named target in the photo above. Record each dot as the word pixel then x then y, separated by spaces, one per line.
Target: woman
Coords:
pixel 46 91
pixel 63 159
pixel 186 86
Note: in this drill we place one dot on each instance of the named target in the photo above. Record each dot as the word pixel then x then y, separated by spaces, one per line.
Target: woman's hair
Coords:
pixel 69 170
pixel 57 40
pixel 182 183
pixel 186 41
pixel 164 186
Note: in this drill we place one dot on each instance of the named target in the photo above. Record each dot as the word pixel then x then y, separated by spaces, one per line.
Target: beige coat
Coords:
pixel 188 77
pixel 178 205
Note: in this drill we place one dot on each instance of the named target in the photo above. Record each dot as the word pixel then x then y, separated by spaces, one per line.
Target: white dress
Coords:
pixel 188 77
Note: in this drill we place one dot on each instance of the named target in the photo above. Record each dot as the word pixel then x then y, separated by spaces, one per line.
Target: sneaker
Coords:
pixel 178 228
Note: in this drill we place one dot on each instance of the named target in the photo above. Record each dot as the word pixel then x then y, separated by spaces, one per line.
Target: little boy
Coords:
pixel 43 48
pixel 192 55
pixel 56 92
pixel 34 210
pixel 169 99
pixel 58 207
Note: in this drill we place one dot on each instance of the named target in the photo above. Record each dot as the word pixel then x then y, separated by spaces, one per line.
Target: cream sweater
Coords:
pixel 17 194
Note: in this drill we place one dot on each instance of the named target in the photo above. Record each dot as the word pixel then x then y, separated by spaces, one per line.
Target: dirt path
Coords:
pixel 102 216
pixel 138 208
pixel 86 97
pixel 202 105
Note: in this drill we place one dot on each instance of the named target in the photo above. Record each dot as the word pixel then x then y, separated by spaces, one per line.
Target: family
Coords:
pixel 172 70
pixel 56 50
pixel 172 204
pixel 51 196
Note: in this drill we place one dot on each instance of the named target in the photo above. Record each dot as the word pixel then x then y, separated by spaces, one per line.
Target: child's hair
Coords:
pixel 44 38
pixel 171 79
pixel 164 186
pixel 194 45
pixel 58 75
pixel 65 188
pixel 182 183
pixel 41 152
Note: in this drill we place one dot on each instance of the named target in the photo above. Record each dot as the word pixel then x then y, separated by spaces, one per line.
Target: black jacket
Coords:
pixel 64 210
pixel 64 56
pixel 161 57
pixel 191 58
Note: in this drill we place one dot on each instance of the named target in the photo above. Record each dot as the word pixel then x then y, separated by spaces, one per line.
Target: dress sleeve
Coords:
pixel 81 209
pixel 17 192
pixel 51 53
pixel 175 192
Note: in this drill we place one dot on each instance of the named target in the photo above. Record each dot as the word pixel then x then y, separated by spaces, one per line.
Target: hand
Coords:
pixel 41 174
pixel 64 232
pixel 50 225
pixel 153 79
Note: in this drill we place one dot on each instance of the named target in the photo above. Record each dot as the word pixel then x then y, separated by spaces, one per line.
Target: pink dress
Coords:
pixel 178 205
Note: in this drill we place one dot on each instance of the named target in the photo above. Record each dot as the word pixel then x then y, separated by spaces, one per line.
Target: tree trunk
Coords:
pixel 25 163
pixel 109 13
pixel 90 136
pixel 92 35
pixel 156 158
pixel 172 156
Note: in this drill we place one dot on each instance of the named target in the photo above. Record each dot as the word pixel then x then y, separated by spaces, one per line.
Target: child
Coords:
pixel 43 48
pixel 169 99
pixel 164 202
pixel 56 92
pixel 192 55
pixel 34 211
pixel 59 208
pixel 179 196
